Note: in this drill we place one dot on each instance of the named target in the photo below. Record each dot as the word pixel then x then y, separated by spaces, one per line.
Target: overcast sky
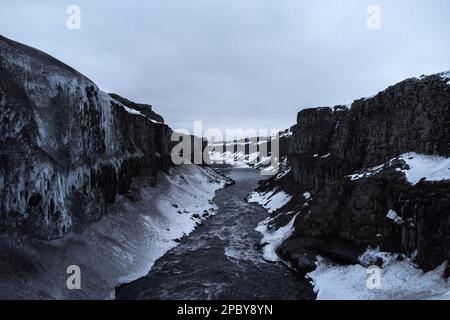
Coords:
pixel 238 63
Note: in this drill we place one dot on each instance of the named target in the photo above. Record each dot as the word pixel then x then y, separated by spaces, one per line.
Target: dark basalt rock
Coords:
pixel 344 216
pixel 68 149
pixel 348 216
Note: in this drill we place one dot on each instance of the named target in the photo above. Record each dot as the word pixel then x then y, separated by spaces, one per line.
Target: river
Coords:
pixel 221 259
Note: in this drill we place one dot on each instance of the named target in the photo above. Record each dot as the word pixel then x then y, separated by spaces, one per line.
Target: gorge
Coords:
pixel 86 178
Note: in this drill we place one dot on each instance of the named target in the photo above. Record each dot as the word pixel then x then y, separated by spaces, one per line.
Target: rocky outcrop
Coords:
pixel 410 116
pixel 67 148
pixel 349 177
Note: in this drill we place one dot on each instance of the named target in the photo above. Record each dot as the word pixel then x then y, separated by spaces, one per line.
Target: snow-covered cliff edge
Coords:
pixel 371 174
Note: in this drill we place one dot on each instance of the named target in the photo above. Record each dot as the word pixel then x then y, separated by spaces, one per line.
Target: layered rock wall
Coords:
pixel 344 211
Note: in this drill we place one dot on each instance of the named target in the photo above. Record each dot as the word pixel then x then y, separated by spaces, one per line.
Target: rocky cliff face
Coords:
pixel 67 148
pixel 371 174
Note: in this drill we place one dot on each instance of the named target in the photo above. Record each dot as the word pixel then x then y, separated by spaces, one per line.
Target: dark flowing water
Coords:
pixel 221 259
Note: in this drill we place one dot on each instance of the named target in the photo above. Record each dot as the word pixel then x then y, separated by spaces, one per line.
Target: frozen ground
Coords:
pixel 121 247
pixel 428 167
pixel 272 200
pixel 399 280
pixel 272 238
pixel 239 159
pixel 419 166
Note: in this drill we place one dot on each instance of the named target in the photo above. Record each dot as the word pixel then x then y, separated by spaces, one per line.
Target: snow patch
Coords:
pixel 367 173
pixel 395 217
pixel 272 200
pixel 273 239
pixel 119 248
pixel 419 166
pixel 370 97
pixel 132 111
pixel 286 134
pixel 283 173
pixel 240 159
pixel 400 280
pixel 446 76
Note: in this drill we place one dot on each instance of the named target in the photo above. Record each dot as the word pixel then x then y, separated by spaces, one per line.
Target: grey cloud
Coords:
pixel 233 63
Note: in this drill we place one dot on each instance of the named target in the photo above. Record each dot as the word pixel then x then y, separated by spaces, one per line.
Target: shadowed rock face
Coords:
pixel 344 215
pixel 413 115
pixel 67 148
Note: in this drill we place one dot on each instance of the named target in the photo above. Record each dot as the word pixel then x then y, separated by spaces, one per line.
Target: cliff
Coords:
pixel 67 149
pixel 373 173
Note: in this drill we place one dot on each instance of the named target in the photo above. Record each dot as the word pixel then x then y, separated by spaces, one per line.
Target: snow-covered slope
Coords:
pixel 400 279
pixel 417 167
pixel 93 167
pixel 121 247
pixel 272 200
pixel 446 76
pixel 273 238
pixel 427 167
pixel 253 152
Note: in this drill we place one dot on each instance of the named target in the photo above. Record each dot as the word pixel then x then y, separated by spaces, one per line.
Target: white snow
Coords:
pixel 122 246
pixel 189 194
pixel 446 76
pixel 400 280
pixel 340 107
pixel 428 167
pixel 283 173
pixel 43 82
pixel 394 217
pixel 288 133
pixel 274 238
pixel 370 97
pixel 307 195
pixel 239 159
pixel 132 111
pixel 272 200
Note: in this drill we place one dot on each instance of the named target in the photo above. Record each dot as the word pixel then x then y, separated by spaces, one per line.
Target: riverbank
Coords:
pixel 222 259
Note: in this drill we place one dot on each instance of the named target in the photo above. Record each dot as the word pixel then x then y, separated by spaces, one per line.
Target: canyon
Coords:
pixel 87 178
pixel 371 174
